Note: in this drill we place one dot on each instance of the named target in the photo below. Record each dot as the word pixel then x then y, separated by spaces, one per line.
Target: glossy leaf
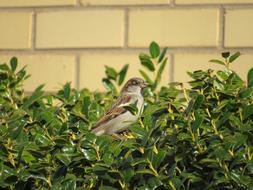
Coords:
pixel 146 62
pixel 225 54
pixel 233 57
pixel 37 94
pixel 14 63
pixel 161 57
pixel 217 61
pixel 250 78
pixel 122 74
pixel 154 50
pixel 111 73
pixel 247 111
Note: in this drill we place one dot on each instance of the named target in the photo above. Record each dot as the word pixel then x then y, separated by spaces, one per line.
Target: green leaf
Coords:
pixel 14 63
pixel 146 62
pixel 107 188
pixel 161 57
pixel 154 49
pixel 122 74
pixel 109 86
pixel 86 105
pixel 4 67
pixel 246 93
pixel 198 121
pixel 160 71
pixel 66 91
pixel 64 158
pixel 250 78
pixel 132 108
pixel 42 140
pixel 37 94
pixel 111 73
pixel 222 76
pixel 198 101
pixel 217 61
pixel 234 57
pixel 225 54
pixel 247 111
pixel 146 77
pixel 145 171
pixel 138 131
pixel 16 131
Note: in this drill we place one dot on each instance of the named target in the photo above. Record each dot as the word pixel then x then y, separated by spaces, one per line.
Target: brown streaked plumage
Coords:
pixel 117 118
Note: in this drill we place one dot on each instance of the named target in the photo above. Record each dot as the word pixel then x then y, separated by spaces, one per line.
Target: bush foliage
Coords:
pixel 197 138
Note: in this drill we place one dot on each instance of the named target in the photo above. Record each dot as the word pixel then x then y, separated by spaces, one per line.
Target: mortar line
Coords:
pixel 126 27
pixel 221 28
pixel 121 50
pixel 78 3
pixel 33 30
pixel 77 72
pixel 172 3
pixel 112 7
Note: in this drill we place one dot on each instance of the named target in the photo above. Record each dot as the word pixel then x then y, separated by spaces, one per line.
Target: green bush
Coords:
pixel 198 138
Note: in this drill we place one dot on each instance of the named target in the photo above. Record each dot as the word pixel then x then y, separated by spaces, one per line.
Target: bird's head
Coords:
pixel 134 85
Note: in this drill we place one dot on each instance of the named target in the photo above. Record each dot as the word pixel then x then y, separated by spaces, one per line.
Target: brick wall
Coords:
pixel 72 40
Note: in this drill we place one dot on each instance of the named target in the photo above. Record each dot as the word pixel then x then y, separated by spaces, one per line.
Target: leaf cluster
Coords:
pixel 197 138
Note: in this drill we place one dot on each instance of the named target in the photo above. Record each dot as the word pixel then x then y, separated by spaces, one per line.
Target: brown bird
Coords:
pixel 118 118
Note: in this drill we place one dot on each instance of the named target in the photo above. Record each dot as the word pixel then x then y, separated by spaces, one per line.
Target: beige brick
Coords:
pixel 76 29
pixel 125 2
pixel 189 27
pixel 51 70
pixel 239 28
pixel 212 1
pixel 15 30
pixel 34 3
pixel 92 68
pixel 192 62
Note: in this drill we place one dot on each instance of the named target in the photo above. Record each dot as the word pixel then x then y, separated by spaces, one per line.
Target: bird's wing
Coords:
pixel 115 110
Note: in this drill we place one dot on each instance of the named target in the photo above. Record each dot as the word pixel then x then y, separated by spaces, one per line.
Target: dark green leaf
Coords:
pixel 122 74
pixel 247 111
pixel 246 93
pixel 64 158
pixel 37 94
pixel 146 62
pixel 234 57
pixel 225 54
pixel 4 67
pixel 198 121
pixel 132 108
pixel 145 171
pixel 250 78
pixel 154 49
pixel 109 86
pixel 66 91
pixel 217 61
pixel 198 101
pixel 86 105
pixel 160 71
pixel 161 57
pixel 111 73
pixel 14 63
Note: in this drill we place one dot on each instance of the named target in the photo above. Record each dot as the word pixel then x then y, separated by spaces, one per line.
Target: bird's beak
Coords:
pixel 145 84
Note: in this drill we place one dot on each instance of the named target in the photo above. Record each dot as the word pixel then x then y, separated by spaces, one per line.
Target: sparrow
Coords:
pixel 118 118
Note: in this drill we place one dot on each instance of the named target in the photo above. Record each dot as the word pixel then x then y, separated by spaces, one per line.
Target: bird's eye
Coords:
pixel 134 82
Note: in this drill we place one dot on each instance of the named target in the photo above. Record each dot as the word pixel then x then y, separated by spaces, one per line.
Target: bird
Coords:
pixel 117 119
